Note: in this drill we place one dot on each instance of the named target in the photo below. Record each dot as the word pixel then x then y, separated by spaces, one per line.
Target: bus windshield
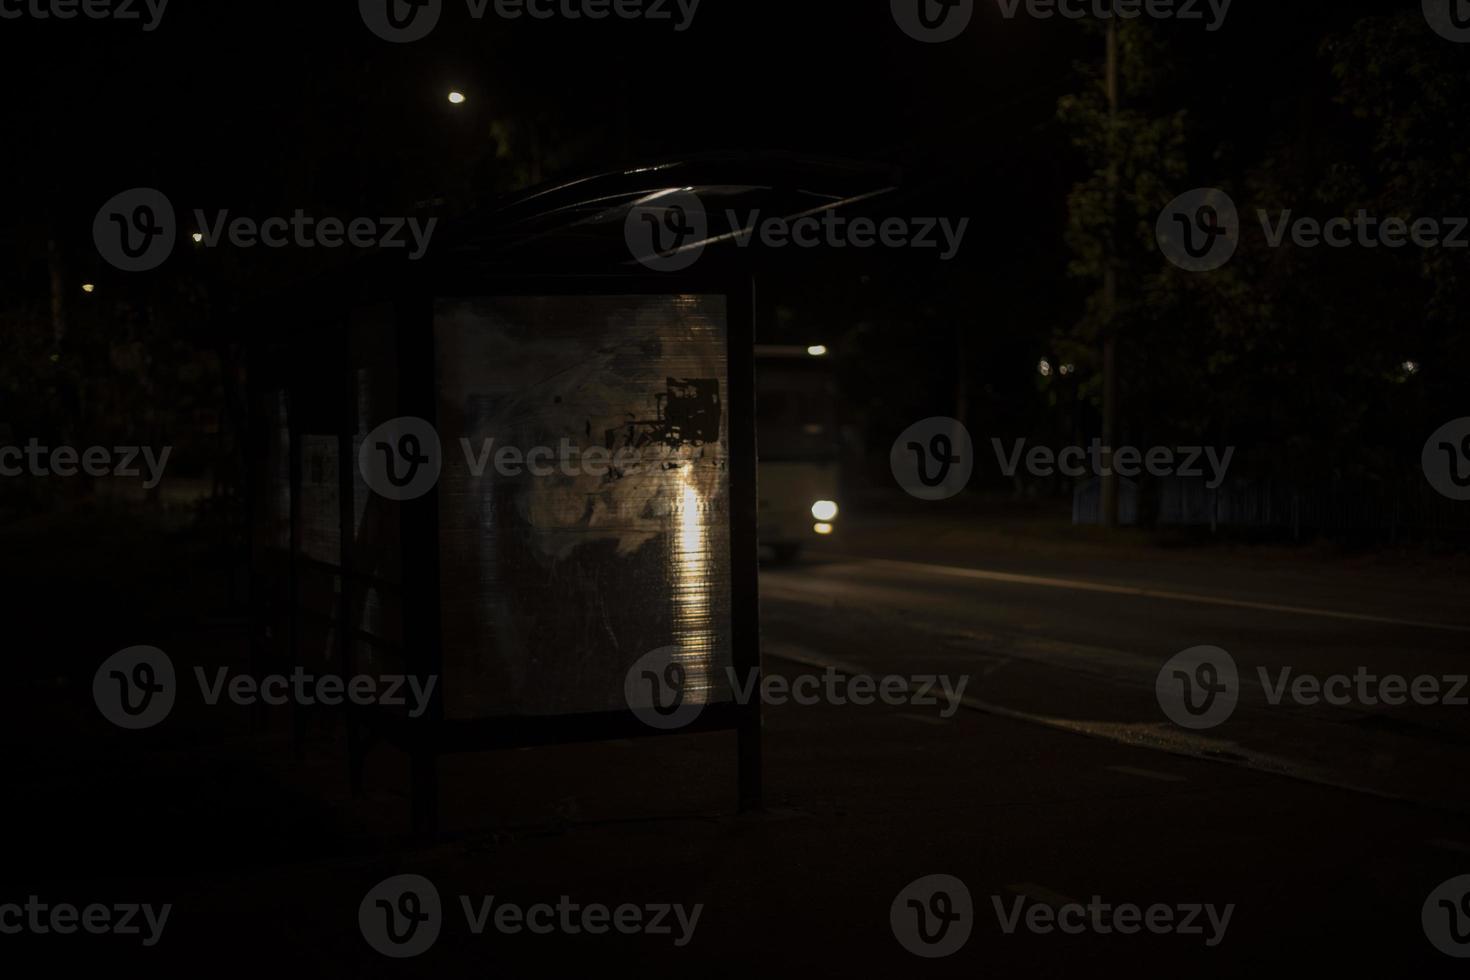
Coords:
pixel 796 410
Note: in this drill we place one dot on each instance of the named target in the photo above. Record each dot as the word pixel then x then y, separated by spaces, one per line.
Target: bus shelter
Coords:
pixel 522 470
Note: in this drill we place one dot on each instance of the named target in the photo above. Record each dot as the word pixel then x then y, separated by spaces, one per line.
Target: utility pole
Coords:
pixel 1110 293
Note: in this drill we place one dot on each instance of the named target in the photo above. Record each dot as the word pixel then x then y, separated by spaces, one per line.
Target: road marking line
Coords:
pixel 1163 777
pixel 1080 585
pixel 1450 845
pixel 1155 736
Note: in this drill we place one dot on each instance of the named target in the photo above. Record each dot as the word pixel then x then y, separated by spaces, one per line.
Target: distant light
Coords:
pixel 457 98
pixel 198 237
pixel 822 528
pixel 824 510
pixel 1044 368
pixel 1067 369
pixel 817 350
pixel 88 287
pixel 1411 367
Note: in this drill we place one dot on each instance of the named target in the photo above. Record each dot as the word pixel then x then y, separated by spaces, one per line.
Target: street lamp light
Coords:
pixel 456 98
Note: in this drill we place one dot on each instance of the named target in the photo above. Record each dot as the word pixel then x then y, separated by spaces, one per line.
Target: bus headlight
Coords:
pixel 824 510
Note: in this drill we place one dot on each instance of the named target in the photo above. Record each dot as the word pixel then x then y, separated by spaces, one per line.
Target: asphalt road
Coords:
pixel 1348 678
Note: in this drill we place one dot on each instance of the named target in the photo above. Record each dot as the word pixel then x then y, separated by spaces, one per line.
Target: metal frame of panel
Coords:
pixel 432 735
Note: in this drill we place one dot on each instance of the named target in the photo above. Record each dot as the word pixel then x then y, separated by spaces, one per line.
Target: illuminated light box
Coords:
pixel 584 504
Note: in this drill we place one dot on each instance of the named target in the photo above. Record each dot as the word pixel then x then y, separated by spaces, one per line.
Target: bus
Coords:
pixel 797 447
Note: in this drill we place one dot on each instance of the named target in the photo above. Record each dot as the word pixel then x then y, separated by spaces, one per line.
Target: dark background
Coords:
pixel 1296 357
pixel 1327 369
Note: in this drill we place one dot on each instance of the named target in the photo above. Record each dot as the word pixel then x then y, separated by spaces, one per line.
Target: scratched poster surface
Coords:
pixel 584 502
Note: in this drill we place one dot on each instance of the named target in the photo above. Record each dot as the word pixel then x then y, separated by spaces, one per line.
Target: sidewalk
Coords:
pixel 267 858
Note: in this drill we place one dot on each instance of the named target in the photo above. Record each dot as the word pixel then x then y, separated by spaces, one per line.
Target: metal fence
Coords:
pixel 1406 508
